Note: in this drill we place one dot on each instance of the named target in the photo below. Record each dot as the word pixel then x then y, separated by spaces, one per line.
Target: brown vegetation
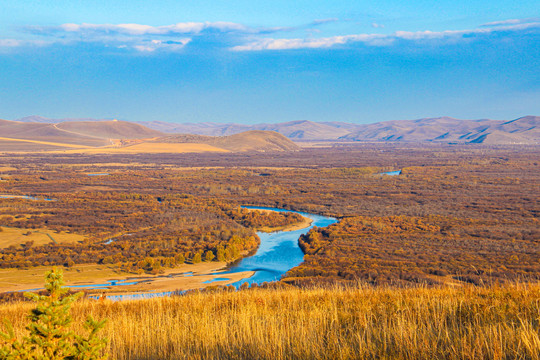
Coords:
pixel 428 250
pixel 455 215
pixel 133 231
pixel 264 220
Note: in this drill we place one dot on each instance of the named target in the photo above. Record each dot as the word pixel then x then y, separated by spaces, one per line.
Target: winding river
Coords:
pixel 278 252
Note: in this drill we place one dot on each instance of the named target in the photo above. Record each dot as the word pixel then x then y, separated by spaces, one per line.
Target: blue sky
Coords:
pixel 269 61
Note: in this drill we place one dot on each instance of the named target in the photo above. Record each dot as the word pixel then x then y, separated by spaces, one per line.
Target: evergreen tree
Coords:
pixel 49 334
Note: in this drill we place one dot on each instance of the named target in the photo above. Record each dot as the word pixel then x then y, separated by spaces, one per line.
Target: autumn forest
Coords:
pixel 453 215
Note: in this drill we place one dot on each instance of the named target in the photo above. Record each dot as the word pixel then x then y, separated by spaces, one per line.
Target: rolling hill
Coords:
pixel 42 132
pixel 524 130
pixel 112 136
pixel 112 129
pixel 295 130
pixel 254 140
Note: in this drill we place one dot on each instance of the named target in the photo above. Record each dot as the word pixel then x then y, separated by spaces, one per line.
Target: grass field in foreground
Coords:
pixel 291 323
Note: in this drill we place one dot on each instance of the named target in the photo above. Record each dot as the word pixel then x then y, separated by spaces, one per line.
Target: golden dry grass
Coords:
pixel 17 236
pixel 148 148
pixel 44 143
pixel 139 148
pixel 356 323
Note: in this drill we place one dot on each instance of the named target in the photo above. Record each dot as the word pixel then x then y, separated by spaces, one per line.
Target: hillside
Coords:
pixel 246 141
pixel 112 136
pixel 112 129
pixel 295 130
pixel 525 130
pixel 44 136
pixel 42 132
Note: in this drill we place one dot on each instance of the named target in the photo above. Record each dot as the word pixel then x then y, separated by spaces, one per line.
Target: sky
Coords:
pixel 269 61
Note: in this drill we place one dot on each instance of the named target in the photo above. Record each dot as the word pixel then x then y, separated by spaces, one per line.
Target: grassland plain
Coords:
pixel 354 322
pixel 17 236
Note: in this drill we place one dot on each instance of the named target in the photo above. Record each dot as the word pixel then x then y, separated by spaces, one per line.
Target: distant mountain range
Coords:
pixel 524 130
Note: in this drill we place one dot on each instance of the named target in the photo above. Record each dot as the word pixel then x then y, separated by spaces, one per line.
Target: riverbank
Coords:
pixel 185 277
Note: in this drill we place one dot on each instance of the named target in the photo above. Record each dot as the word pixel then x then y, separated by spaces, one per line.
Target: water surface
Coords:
pixel 391 173
pixel 278 252
pixel 25 197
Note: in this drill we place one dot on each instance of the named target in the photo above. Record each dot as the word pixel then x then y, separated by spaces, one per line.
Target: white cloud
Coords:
pixel 14 43
pixel 287 44
pixel 148 38
pixel 419 35
pixel 140 29
pixel 154 45
pixel 510 22
pixel 6 43
pixel 324 21
pixel 372 39
pixel 377 26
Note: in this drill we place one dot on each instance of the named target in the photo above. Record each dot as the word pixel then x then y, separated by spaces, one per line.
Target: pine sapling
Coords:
pixel 49 334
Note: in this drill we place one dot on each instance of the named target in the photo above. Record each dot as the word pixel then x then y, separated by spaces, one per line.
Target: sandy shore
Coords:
pixel 164 284
pixel 171 279
pixel 298 226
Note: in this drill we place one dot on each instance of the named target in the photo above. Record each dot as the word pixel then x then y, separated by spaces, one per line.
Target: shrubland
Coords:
pixel 465 214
